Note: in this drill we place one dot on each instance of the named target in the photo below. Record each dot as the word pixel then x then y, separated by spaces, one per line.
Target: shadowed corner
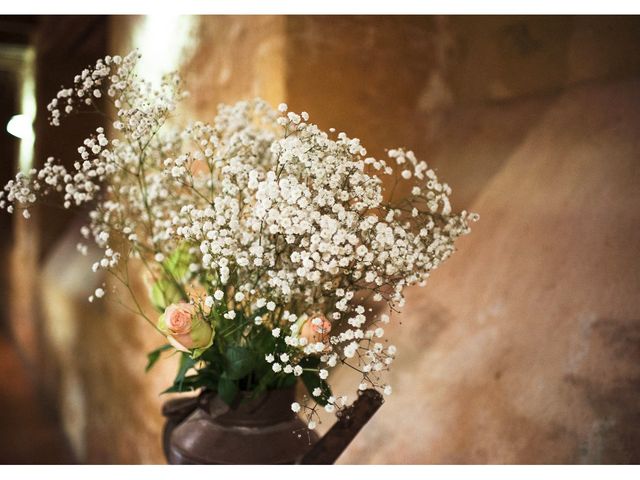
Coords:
pixel 30 427
pixel 30 432
pixel 613 435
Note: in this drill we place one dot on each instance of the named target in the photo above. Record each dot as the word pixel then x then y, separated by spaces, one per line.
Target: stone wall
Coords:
pixel 523 348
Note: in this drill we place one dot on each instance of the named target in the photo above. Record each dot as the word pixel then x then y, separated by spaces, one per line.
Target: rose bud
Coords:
pixel 185 330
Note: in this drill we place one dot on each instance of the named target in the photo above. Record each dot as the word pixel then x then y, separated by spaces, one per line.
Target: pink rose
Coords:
pixel 178 317
pixel 184 329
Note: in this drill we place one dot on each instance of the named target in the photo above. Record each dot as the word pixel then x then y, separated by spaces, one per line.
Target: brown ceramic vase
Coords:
pixel 264 430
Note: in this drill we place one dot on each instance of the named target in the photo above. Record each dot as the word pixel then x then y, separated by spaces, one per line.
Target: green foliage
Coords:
pixel 163 294
pixel 240 368
pixel 202 379
pixel 227 389
pixel 234 360
pixel 312 380
pixel 178 262
pixel 168 289
pixel 154 356
pixel 240 362
pixel 179 385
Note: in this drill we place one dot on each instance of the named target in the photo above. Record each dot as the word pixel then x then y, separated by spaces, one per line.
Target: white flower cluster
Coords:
pixel 303 220
pixel 281 219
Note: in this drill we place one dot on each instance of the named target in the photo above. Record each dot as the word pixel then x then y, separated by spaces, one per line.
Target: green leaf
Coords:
pixel 240 362
pixel 168 290
pixel 202 379
pixel 287 381
pixel 182 383
pixel 310 361
pixel 178 262
pixel 163 294
pixel 263 340
pixel 212 356
pixel 186 364
pixel 312 380
pixel 154 356
pixel 227 389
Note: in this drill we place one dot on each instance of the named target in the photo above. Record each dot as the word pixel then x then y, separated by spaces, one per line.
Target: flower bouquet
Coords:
pixel 273 251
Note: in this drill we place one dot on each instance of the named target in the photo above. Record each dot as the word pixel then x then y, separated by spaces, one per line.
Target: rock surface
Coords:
pixel 524 347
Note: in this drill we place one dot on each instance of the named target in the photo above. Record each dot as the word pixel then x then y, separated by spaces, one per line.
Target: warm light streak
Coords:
pixel 22 124
pixel 162 39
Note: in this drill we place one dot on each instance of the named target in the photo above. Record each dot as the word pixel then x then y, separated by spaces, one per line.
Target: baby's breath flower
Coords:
pixel 283 224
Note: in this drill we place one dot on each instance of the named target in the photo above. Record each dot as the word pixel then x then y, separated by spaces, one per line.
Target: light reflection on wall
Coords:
pixel 22 267
pixel 28 109
pixel 164 41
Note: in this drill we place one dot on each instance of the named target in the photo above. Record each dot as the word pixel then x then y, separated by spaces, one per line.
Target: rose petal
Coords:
pixel 177 345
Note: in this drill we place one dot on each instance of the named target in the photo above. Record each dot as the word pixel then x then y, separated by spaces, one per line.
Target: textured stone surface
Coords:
pixel 394 80
pixel 236 58
pixel 524 347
